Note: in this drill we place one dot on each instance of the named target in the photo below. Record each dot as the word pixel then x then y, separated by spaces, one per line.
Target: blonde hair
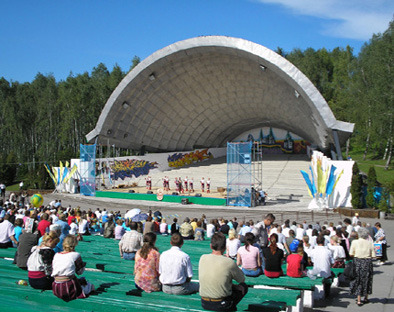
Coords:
pixel 231 234
pixel 52 235
pixel 69 243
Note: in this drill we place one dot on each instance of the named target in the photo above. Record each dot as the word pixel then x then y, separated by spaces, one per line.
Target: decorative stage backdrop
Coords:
pixel 128 169
pixel 328 182
pixel 275 141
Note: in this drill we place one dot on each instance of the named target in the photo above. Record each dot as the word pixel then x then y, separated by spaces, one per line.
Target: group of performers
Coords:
pixel 181 186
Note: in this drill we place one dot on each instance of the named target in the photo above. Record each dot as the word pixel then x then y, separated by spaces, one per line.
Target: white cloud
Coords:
pixel 354 19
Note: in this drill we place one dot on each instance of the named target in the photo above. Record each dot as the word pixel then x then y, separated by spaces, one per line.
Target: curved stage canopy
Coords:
pixel 205 91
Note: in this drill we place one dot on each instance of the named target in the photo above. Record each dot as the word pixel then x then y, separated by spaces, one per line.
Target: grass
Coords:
pixel 13 188
pixel 384 176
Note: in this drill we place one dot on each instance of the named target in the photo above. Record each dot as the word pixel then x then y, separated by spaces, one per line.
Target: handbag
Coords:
pixel 350 270
pixel 378 249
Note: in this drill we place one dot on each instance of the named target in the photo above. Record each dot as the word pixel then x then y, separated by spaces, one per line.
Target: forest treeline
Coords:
pixel 45 120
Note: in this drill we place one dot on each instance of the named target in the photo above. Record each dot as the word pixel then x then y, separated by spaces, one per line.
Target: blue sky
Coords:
pixel 62 36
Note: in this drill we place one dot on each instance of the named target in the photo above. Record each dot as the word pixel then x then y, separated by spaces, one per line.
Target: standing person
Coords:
pixel 146 268
pixel 216 273
pixel 2 188
pixel 248 257
pixel 209 185
pixel 362 251
pixel 130 242
pixel 65 265
pixel 176 270
pixel 260 230
pixel 185 181
pixel 202 182
pixel 191 185
pixel 380 237
pixel 322 260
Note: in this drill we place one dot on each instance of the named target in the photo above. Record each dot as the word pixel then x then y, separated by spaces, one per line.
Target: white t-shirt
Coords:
pixel 73 229
pixel 6 230
pixel 64 264
pixel 210 230
pixel 233 246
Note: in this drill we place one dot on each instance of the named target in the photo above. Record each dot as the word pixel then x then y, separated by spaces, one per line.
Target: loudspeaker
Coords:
pixel 175 193
pixel 149 192
pixel 131 191
pixel 198 195
pixel 185 201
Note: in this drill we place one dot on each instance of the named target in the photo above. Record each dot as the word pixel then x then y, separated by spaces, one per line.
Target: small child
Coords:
pixel 296 263
pixel 119 229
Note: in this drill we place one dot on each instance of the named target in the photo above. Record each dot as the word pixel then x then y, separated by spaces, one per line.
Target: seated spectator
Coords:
pixel 83 227
pixel 163 227
pixel 296 263
pixel 273 257
pixel 199 233
pixel 186 229
pixel 216 273
pixel 176 269
pixel 73 227
pixel 338 253
pixel 211 229
pixel 232 245
pixel 65 265
pixel 245 228
pixel 174 226
pixel 130 243
pixel 149 225
pixel 39 263
pixel 109 228
pixel 27 240
pixel 224 228
pixel 119 230
pixel 65 228
pixel 18 229
pixel 248 257
pixel 146 268
pixel 7 233
pixel 43 225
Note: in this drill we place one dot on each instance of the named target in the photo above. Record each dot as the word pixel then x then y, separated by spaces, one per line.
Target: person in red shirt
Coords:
pixel 43 224
pixel 71 217
pixel 296 264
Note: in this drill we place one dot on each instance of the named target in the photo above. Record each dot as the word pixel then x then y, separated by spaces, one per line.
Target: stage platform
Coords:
pixel 210 201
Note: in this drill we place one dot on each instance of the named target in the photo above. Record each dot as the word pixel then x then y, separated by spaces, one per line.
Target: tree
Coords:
pixel 356 187
pixel 371 184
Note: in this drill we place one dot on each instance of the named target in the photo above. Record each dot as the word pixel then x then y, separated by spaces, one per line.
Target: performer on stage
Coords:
pixel 186 184
pixel 168 182
pixel 180 185
pixel 202 184
pixel 176 184
pixel 149 183
pixel 209 185
pixel 191 186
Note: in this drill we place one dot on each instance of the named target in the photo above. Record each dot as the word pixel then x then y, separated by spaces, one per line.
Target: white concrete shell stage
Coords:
pixel 205 91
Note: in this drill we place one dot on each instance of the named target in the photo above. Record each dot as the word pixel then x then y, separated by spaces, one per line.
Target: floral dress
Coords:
pixel 146 271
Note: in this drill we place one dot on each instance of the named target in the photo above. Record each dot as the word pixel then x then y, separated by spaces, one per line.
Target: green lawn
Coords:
pixel 384 176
